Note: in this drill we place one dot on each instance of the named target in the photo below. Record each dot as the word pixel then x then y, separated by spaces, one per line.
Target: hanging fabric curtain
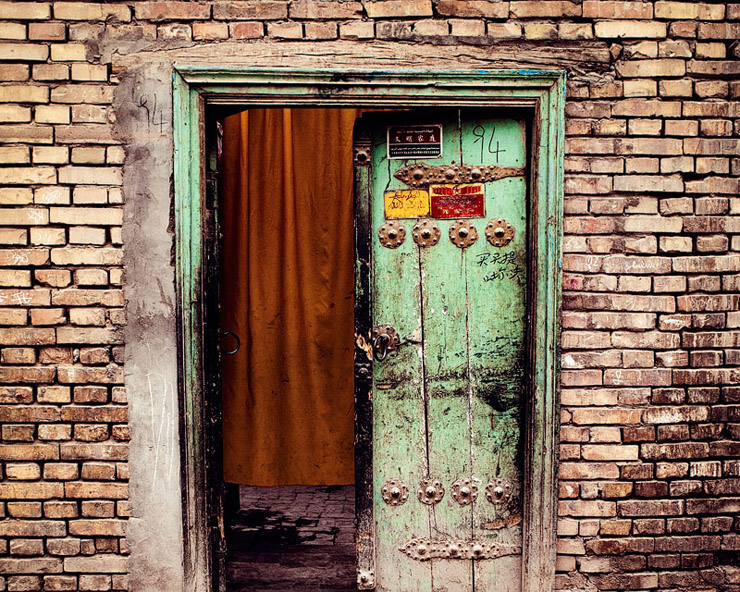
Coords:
pixel 286 290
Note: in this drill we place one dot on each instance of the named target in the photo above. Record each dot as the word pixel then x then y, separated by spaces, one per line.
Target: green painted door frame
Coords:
pixel 541 94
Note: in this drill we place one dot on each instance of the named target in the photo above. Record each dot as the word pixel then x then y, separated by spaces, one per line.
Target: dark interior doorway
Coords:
pixel 292 538
pixel 290 511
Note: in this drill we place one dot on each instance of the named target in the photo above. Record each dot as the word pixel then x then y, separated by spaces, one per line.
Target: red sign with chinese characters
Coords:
pixel 458 201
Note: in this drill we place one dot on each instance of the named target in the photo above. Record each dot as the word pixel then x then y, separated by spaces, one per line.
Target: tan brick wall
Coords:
pixel 650 475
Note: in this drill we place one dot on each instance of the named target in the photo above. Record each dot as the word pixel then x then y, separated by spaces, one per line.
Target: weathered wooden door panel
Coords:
pixel 447 403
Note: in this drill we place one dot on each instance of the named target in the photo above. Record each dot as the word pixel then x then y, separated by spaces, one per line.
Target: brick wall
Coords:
pixel 650 475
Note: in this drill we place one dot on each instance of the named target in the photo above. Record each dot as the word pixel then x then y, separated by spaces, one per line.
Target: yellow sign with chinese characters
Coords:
pixel 406 203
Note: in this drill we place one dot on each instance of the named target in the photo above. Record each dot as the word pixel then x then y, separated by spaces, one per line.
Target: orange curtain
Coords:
pixel 286 290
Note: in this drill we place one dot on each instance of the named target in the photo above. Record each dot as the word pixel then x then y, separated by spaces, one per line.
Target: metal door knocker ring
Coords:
pixel 381 351
pixel 236 338
pixel 385 340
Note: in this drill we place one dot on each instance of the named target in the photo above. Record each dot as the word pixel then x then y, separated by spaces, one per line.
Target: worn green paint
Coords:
pixel 189 184
pixel 496 286
pixel 398 405
pixel 462 314
pixel 542 95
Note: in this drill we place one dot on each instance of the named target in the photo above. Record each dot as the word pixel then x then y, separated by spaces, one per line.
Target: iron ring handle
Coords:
pixel 238 342
pixel 385 339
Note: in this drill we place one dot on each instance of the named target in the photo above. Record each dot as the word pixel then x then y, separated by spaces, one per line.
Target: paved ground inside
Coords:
pixel 296 538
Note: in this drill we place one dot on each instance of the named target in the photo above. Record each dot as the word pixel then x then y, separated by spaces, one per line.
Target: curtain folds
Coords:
pixel 286 290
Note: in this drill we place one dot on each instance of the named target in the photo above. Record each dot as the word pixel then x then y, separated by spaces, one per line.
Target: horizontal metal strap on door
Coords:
pixel 422 174
pixel 424 549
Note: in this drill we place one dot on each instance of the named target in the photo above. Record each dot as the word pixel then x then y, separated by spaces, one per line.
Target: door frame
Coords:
pixel 540 92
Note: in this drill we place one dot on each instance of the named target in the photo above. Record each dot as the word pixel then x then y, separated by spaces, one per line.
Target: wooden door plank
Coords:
pixel 496 284
pixel 363 379
pixel 399 413
pixel 446 377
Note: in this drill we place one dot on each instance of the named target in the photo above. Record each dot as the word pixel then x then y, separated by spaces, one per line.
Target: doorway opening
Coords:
pixel 195 88
pixel 287 282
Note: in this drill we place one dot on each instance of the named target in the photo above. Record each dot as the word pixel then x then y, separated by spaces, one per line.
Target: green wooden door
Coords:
pixel 439 416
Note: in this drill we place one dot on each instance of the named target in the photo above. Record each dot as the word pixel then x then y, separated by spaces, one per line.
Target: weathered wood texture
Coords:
pixel 350 54
pixel 448 403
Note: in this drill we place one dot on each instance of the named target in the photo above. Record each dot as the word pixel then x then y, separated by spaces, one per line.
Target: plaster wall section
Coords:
pixel 143 107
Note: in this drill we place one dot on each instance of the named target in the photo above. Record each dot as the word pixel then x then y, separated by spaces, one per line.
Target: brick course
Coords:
pixel 651 345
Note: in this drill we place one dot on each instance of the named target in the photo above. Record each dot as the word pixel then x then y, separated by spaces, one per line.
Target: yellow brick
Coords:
pixel 15 317
pixel 20 278
pixel 24 11
pixel 210 31
pixel 28 175
pixel 23 52
pixel 31 491
pixel 50 72
pixel 88 216
pixel 13 236
pixel 86 256
pixel 504 30
pixel 19 355
pixel 88 155
pixel 48 236
pixel 89 114
pixel 83 11
pixel 640 88
pixel 675 88
pixel 13 72
pixel 72 175
pixel 24 94
pixel 115 155
pixel 473 8
pixel 115 195
pixel 52 114
pixel 379 9
pixel 604 9
pixel 89 72
pixel 54 394
pixel 540 31
pixel 630 30
pixel 652 68
pixel 86 235
pixel 14 155
pixel 22 471
pixel 467 27
pixel 50 155
pixel 90 195
pixel 25 216
pixel 12 196
pixel 711 50
pixel 47 31
pixel 689 11
pixel 82 93
pixel 575 31
pixel 93 277
pixel 546 8
pixel 100 527
pixel 51 195
pixel 15 31
pixel 69 52
pixel 26 134
pixel 14 114
pixel 24 509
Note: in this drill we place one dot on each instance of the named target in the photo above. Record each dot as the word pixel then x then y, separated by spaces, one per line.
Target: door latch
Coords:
pixel 385 340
